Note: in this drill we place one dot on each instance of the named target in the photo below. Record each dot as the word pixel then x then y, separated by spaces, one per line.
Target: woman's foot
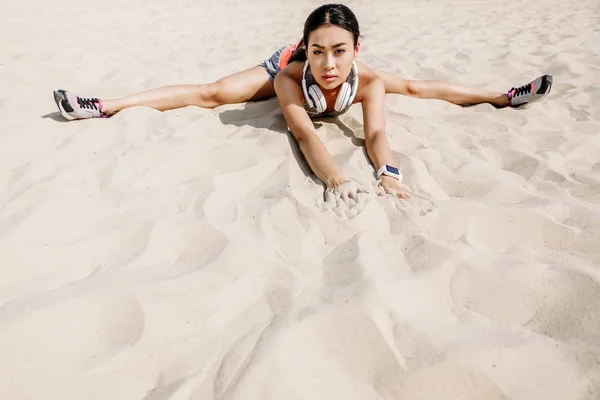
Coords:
pixel 531 92
pixel 73 106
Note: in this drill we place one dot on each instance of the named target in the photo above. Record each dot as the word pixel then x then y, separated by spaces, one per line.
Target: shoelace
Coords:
pixel 88 102
pixel 522 90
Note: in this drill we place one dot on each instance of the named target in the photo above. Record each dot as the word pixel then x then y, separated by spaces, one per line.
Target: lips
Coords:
pixel 329 77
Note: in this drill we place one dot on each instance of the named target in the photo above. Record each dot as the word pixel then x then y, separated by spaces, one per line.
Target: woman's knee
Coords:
pixel 414 88
pixel 210 95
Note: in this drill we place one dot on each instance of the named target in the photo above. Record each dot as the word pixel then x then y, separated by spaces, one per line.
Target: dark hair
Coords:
pixel 328 14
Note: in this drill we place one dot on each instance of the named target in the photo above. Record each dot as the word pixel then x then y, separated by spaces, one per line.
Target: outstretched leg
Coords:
pixel 249 85
pixel 464 95
pixel 442 90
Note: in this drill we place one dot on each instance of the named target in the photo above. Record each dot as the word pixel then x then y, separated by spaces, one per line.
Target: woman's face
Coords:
pixel 330 52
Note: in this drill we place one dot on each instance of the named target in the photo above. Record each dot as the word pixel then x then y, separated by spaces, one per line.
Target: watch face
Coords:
pixel 393 170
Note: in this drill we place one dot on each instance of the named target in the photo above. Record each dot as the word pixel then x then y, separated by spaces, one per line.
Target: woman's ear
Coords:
pixel 356 50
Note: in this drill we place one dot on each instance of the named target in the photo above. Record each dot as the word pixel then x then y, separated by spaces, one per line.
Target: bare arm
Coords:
pixel 320 161
pixel 376 142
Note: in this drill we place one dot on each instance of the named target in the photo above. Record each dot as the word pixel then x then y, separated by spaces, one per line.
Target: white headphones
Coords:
pixel 315 99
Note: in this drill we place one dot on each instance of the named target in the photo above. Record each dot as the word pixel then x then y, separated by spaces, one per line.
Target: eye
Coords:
pixel 317 52
pixel 339 51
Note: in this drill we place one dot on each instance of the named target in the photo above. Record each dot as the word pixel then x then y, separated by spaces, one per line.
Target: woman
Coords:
pixel 319 76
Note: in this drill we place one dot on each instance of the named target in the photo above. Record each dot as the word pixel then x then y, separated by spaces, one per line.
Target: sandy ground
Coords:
pixel 184 254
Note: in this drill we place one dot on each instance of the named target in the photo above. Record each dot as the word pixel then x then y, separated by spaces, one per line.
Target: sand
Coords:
pixel 185 254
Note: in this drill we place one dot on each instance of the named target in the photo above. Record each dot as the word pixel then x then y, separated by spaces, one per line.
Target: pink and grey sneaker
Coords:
pixel 73 106
pixel 531 92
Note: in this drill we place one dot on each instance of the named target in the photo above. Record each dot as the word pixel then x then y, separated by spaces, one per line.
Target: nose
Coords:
pixel 329 63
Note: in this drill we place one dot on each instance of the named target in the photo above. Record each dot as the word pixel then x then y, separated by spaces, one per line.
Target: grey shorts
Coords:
pixel 278 61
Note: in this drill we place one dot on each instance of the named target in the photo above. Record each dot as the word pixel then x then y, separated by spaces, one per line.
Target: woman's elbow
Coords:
pixel 299 135
pixel 371 137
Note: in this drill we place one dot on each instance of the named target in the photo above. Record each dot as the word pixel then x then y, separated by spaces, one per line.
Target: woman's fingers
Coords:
pixel 394 190
pixel 330 200
pixel 347 199
pixel 345 195
pixel 403 195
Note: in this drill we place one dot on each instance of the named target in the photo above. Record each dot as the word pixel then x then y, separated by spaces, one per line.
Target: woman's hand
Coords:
pixel 336 181
pixel 344 197
pixel 389 185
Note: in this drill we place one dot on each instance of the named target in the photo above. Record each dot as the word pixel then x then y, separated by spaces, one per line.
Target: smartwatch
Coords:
pixel 389 171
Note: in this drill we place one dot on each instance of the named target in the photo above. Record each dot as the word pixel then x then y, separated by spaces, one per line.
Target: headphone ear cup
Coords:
pixel 318 99
pixel 343 96
pixel 308 97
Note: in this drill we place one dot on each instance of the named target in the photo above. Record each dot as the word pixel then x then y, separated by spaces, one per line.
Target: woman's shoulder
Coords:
pixel 369 83
pixel 294 70
pixel 366 74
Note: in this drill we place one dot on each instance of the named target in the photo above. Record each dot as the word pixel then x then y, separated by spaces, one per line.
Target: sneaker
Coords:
pixel 72 106
pixel 531 92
